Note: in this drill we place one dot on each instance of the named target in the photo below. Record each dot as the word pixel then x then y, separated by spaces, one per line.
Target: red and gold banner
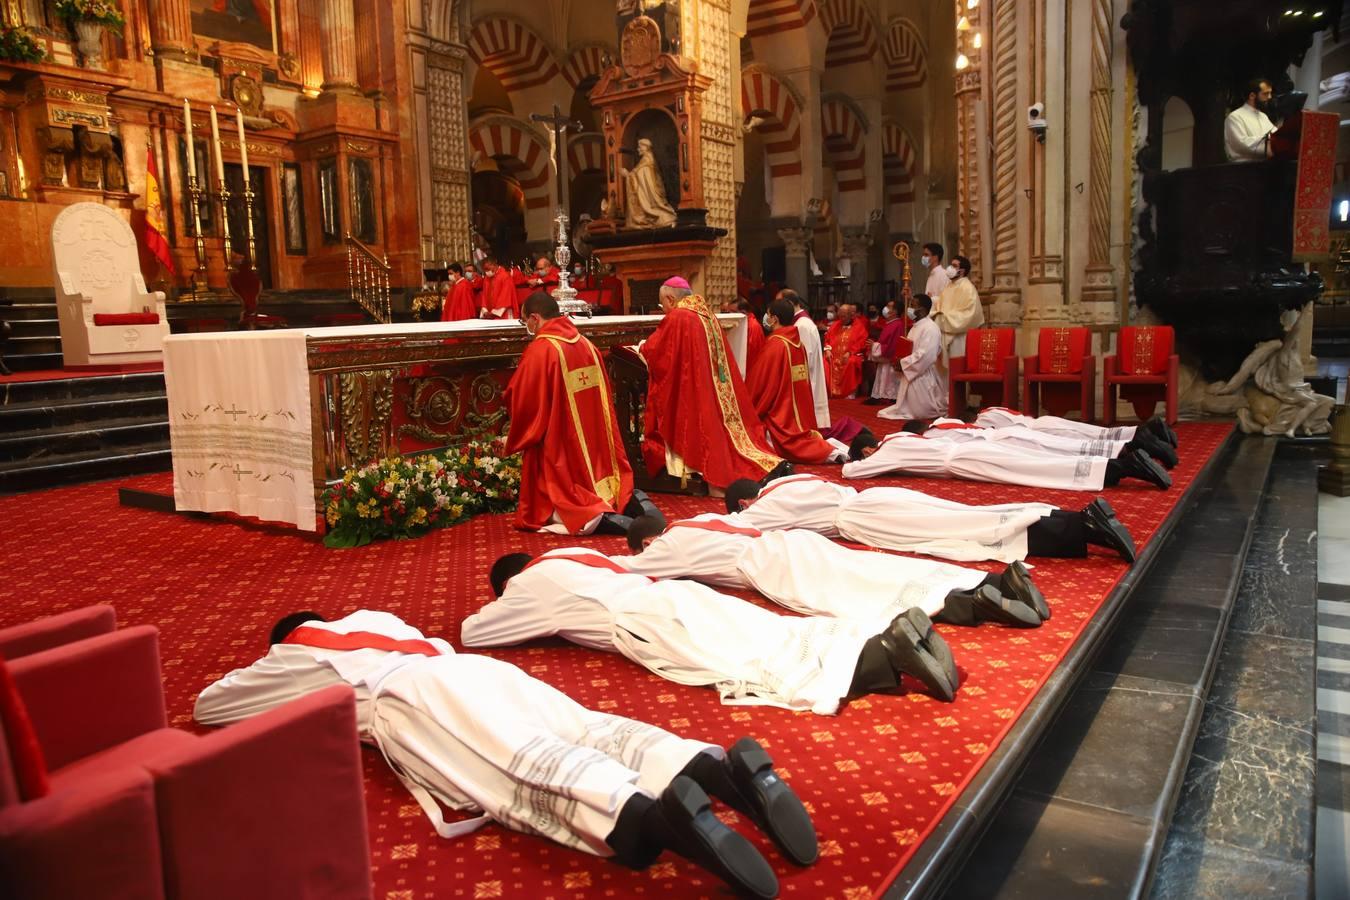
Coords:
pixel 1312 197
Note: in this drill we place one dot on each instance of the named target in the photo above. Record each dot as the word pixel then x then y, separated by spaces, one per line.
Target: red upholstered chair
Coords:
pixel 1144 370
pixel 270 808
pixel 53 631
pixel 990 365
pixel 1062 376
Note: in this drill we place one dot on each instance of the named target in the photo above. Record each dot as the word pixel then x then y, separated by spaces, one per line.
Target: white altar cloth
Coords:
pixel 240 417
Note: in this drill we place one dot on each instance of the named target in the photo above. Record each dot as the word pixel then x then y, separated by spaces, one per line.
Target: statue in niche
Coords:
pixel 647 206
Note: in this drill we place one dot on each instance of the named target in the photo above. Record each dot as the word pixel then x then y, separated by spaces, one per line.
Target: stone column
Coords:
pixel 971 192
pixel 797 244
pixel 171 28
pixel 857 241
pixel 706 27
pixel 1008 41
pixel 337 24
pixel 1099 289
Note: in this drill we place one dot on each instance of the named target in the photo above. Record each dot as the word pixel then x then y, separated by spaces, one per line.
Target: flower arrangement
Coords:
pixel 19 45
pixel 407 497
pixel 107 13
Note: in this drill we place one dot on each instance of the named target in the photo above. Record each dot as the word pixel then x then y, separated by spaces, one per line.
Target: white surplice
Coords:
pixel 999 462
pixel 887 380
pixel 1026 438
pixel 937 282
pixel 1245 132
pixel 681 630
pixel 922 391
pixel 801 570
pixel 471 733
pixel 1002 417
pixel 815 369
pixel 894 518
pixel 958 310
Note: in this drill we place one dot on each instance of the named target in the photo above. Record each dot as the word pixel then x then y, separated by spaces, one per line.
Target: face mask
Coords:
pixel 951 272
pixel 926 260
pixel 541 272
pixel 888 313
pixel 912 313
pixel 829 317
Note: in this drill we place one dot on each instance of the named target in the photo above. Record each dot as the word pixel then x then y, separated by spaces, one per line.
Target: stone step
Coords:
pixel 35 327
pixel 81 467
pixel 97 386
pixel 12 312
pixel 32 345
pixel 40 414
pixel 34 362
pixel 109 435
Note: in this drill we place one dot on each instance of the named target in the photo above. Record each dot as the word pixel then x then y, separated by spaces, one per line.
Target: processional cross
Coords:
pixel 560 125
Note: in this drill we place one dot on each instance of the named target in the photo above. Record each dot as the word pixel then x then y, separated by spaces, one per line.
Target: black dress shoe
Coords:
pixel 986 604
pixel 1105 530
pixel 915 649
pixel 782 470
pixel 613 523
pixel 1138 464
pixel 770 803
pixel 875 401
pixel 1154 446
pixel 641 505
pixel 701 838
pixel 1016 583
pixel 1161 430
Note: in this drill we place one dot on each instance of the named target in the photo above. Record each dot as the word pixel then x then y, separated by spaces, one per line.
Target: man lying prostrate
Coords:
pixel 1002 417
pixel 939 453
pixel 1054 441
pixel 474 733
pixel 690 634
pixel 895 518
pixel 811 574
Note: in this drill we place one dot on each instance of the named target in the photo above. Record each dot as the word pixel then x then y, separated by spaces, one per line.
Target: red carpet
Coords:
pixel 876 777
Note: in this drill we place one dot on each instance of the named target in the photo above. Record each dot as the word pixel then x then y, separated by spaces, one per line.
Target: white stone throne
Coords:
pixel 107 315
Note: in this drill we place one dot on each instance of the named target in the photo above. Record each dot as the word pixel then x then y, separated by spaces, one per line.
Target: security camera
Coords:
pixel 1036 120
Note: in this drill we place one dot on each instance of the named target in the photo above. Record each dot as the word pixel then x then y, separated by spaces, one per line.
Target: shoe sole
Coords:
pixel 775 807
pixel 1003 610
pixel 1034 598
pixel 726 854
pixel 927 643
pixel 1126 547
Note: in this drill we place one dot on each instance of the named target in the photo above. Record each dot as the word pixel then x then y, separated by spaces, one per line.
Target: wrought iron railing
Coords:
pixel 368 275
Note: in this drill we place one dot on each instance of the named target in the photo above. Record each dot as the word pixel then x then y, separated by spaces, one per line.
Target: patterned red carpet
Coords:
pixel 876 777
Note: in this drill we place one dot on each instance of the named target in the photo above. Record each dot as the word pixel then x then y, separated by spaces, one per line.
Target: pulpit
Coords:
pixel 107 316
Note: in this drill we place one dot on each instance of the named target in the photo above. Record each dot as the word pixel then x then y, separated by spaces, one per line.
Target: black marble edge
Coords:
pixel 935 862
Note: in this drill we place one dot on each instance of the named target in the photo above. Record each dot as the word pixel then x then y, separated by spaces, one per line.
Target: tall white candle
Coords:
pixel 191 150
pixel 215 141
pixel 243 143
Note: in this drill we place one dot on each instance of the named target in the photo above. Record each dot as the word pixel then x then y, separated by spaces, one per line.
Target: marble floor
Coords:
pixel 1332 860
pixel 1334 367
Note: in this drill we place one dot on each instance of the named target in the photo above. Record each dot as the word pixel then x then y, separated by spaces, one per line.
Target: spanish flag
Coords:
pixel 155 241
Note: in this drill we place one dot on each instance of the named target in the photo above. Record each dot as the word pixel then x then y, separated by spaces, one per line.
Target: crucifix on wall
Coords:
pixel 560 125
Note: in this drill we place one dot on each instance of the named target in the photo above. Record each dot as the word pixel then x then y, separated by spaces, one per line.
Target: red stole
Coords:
pixel 584 559
pixel 718 526
pixel 323 639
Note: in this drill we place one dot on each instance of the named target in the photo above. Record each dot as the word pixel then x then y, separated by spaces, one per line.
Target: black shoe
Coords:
pixel 770 802
pixel 1016 583
pixel 782 470
pixel 1154 446
pixel 703 839
pixel 1161 430
pixel 875 401
pixel 1138 464
pixel 641 505
pixel 915 649
pixel 1105 530
pixel 613 523
pixel 986 604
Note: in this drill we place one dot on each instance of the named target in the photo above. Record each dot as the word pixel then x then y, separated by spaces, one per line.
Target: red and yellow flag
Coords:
pixel 155 241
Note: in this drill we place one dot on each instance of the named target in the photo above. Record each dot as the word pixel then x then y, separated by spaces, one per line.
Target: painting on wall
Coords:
pixel 239 21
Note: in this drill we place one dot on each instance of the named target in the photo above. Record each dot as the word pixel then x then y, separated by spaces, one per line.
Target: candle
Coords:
pixel 215 141
pixel 191 150
pixel 243 143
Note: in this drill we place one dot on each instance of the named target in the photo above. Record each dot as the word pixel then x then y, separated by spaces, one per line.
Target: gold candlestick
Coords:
pixel 199 285
pixel 248 218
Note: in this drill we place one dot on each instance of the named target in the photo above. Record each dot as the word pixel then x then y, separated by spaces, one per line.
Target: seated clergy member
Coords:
pixel 1034 440
pixel 922 389
pixel 811 574
pixel 473 733
pixel 780 387
pixel 939 453
pixel 690 634
pixel 574 473
pixel 846 344
pixel 699 417
pixel 894 518
pixel 1002 417
pixel 460 302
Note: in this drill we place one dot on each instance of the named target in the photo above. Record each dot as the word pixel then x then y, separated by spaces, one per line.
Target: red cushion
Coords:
pixel 986 348
pixel 134 752
pixel 1052 378
pixel 1144 349
pixel 126 318
pixel 1060 351
pixel 25 753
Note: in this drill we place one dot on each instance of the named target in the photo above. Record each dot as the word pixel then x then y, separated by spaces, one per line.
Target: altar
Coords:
pixel 261 422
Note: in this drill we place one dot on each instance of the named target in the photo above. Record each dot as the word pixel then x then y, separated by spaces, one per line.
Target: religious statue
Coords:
pixel 647 206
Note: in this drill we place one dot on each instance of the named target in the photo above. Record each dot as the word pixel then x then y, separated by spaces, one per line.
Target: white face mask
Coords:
pixel 764 320
pixel 912 313
pixel 888 312
pixel 951 272
pixel 829 317
pixel 926 260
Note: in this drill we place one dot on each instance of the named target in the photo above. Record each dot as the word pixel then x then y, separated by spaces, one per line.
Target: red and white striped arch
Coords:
pixel 765 96
pixel 511 51
pixel 585 62
pixel 906 57
pixel 845 149
pixel 852 36
pixel 899 161
pixel 768 17
pixel 518 153
pixel 585 153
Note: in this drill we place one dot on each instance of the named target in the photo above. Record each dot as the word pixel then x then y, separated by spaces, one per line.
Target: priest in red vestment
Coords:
pixel 498 299
pixel 699 415
pixel 845 346
pixel 460 303
pixel 545 276
pixel 574 473
pixel 780 387
pixel 754 335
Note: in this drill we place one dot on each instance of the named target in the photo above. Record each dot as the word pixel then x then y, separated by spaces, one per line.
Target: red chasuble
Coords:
pixel 781 388
pixel 843 367
pixel 499 292
pixel 460 303
pixel 754 343
pixel 563 424
pixel 548 282
pixel 697 404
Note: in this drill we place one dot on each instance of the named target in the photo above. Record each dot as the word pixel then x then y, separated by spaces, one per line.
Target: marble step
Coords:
pixel 24 345
pixel 55 390
pixel 44 414
pixel 33 362
pixel 1089 813
pixel 110 435
pixel 82 467
pixel 18 311
pixel 34 327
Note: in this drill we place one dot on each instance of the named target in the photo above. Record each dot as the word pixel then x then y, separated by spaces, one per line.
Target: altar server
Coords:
pixel 895 518
pixel 780 388
pixel 690 634
pixel 472 733
pixel 811 574
pixel 938 279
pixel 922 389
pixel 699 416
pixel 958 309
pixel 940 454
pixel 460 302
pixel 815 355
pixel 887 379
